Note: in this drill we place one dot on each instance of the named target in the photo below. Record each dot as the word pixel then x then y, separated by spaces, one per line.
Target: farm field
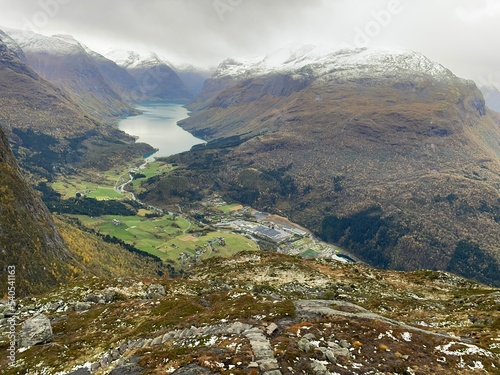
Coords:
pixel 173 238
pixel 154 168
pixel 168 238
pixel 100 185
pixel 68 187
pixel 230 207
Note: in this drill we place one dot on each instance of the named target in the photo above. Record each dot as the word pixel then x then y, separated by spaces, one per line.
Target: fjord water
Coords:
pixel 157 126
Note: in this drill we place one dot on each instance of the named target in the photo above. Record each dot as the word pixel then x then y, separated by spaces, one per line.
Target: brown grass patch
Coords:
pixel 189 238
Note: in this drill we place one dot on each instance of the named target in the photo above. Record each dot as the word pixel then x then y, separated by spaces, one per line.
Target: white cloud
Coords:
pixel 476 13
pixel 460 34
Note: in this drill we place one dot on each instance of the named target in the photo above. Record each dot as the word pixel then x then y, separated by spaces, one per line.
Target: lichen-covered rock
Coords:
pixel 319 368
pixel 53 306
pixel 271 328
pixel 93 298
pixel 193 369
pixel 82 306
pixel 155 291
pixel 304 345
pixel 36 330
pixel 130 369
pixel 108 295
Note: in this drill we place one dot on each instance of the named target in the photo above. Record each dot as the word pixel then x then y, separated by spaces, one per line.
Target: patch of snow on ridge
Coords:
pixel 321 62
pixel 12 45
pixel 37 43
pixel 133 59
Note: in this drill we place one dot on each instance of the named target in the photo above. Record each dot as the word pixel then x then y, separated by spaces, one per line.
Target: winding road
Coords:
pixel 121 188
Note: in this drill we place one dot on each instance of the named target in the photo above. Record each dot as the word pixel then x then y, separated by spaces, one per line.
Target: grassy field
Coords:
pixel 143 212
pixel 309 254
pixel 100 185
pixel 155 168
pixel 168 238
pixel 230 207
pixel 69 186
pixel 174 240
pixel 101 193
pixel 233 243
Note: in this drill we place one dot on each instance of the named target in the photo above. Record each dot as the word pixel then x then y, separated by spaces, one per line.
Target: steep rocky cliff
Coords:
pixel 29 239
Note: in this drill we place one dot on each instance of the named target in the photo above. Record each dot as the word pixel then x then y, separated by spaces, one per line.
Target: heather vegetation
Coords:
pixel 269 311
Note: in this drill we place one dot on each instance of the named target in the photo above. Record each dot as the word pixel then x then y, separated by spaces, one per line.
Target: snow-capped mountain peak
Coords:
pixel 35 43
pixel 12 45
pixel 321 62
pixel 68 39
pixel 133 59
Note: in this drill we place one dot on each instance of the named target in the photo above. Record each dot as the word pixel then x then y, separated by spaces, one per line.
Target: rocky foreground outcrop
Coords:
pixel 270 314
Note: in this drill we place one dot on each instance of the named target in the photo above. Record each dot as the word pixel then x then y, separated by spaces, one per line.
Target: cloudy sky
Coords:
pixel 460 34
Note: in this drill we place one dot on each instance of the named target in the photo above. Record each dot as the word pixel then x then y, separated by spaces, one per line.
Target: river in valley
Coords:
pixel 157 126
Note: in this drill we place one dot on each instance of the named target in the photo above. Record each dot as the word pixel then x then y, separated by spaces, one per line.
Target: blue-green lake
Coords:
pixel 157 126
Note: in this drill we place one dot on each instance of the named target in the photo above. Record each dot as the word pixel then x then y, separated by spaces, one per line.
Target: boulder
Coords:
pixel 193 369
pixel 35 330
pixel 304 345
pixel 345 344
pixel 155 291
pixel 93 298
pixel 53 306
pixel 109 295
pixel 271 328
pixel 330 356
pixel 204 302
pixel 309 336
pixel 80 371
pixel 82 306
pixel 268 364
pixel 318 368
pixel 342 352
pixel 129 369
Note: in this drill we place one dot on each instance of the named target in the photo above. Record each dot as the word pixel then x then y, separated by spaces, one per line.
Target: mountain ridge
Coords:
pixel 324 62
pixel 368 161
pixel 49 133
pixel 116 76
pixel 63 61
pixel 155 78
